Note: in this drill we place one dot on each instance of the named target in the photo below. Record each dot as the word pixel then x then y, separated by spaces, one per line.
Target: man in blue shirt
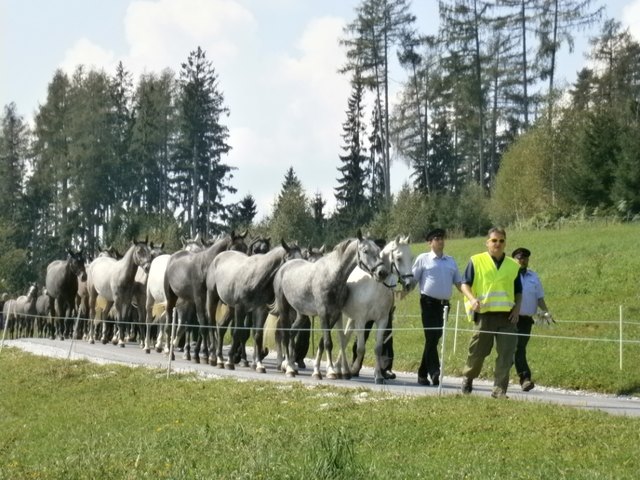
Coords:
pixel 436 274
pixel 532 298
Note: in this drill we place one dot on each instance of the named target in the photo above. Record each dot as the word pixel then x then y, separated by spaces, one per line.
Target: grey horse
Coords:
pixel 245 284
pixel 62 286
pixel 319 289
pixel 185 278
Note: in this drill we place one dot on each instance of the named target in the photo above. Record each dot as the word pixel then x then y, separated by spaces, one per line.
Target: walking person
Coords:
pixel 493 290
pixel 532 299
pixel 436 274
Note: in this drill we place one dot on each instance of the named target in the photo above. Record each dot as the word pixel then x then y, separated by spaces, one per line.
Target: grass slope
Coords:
pixel 588 273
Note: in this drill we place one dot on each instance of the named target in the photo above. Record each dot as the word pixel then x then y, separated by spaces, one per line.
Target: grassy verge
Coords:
pixel 588 273
pixel 77 420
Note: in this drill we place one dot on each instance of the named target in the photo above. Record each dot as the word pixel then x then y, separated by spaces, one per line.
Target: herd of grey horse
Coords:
pixel 192 297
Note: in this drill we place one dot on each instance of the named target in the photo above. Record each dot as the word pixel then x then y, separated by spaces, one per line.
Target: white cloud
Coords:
pixel 93 56
pixel 162 33
pixel 631 18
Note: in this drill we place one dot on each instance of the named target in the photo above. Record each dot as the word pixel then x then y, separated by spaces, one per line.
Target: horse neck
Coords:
pixel 387 259
pixel 346 262
pixel 129 266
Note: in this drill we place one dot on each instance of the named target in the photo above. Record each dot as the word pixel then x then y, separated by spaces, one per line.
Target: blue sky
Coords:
pixel 277 63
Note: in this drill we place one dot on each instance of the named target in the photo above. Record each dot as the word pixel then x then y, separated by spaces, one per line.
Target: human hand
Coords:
pixel 544 319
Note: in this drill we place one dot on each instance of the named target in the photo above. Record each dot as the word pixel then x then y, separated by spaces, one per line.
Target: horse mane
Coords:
pixel 342 246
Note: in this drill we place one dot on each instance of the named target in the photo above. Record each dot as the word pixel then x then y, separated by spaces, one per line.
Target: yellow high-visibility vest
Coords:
pixel 493 287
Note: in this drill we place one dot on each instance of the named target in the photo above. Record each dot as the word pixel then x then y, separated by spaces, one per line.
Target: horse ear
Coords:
pixel 284 244
pixel 146 239
pixel 322 248
pixel 397 239
pixel 161 246
pixel 243 235
pixel 359 234
pixel 151 245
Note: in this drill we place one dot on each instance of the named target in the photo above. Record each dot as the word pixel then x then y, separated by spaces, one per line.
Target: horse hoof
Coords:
pixel 92 341
pixel 147 351
pixel 346 376
pixel 379 381
pixel 212 362
pixel 121 345
pixel 229 366
pixel 261 370
pixel 290 374
pixel 245 363
pixel 196 359
pixel 158 349
pixel 219 364
pixel 332 376
pixel 316 376
pixel 301 365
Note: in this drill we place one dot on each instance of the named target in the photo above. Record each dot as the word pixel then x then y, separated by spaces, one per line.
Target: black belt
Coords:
pixel 434 300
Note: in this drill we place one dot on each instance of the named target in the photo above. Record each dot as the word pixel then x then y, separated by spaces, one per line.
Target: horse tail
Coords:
pixel 273 308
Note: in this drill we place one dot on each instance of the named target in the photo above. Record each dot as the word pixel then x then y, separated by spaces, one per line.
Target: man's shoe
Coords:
pixel 435 380
pixel 467 386
pixel 499 394
pixel 424 381
pixel 527 385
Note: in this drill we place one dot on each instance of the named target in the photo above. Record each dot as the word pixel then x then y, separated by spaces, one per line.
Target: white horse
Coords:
pixel 155 297
pixel 114 281
pixel 372 301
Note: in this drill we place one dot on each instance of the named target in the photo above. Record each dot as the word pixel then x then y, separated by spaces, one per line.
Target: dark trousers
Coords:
pixel 520 358
pixel 432 321
pixel 386 356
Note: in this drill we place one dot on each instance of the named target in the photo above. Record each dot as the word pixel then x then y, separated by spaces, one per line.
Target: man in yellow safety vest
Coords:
pixel 493 291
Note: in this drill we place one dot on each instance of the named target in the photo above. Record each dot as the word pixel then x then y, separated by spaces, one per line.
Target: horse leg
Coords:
pixel 328 346
pixel 222 325
pixel 239 314
pixel 380 336
pixel 260 316
pixel 324 343
pixel 361 340
pixel 343 367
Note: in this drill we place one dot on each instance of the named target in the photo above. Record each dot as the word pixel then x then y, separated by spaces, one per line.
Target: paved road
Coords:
pixel 404 384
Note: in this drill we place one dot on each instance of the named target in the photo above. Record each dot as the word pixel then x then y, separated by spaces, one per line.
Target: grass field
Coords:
pixel 75 420
pixel 589 273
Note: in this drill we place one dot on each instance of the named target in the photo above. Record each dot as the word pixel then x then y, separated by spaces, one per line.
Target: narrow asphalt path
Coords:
pixel 404 384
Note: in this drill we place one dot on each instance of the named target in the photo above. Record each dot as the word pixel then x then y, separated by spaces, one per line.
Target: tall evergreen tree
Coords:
pixel 200 177
pixel 559 19
pixel 292 218
pixel 13 160
pixel 351 192
pixel 49 188
pixel 379 25
pixel 241 214
pixel 153 129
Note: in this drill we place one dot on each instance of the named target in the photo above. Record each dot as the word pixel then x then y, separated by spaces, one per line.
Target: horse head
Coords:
pixel 311 254
pixel 398 258
pixel 237 242
pixel 77 264
pixel 368 257
pixel 142 254
pixel 32 292
pixel 156 250
pixel 260 245
pixel 291 250
pixel 193 245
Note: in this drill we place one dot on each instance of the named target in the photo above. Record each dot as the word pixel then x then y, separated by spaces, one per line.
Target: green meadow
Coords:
pixel 75 420
pixel 590 275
